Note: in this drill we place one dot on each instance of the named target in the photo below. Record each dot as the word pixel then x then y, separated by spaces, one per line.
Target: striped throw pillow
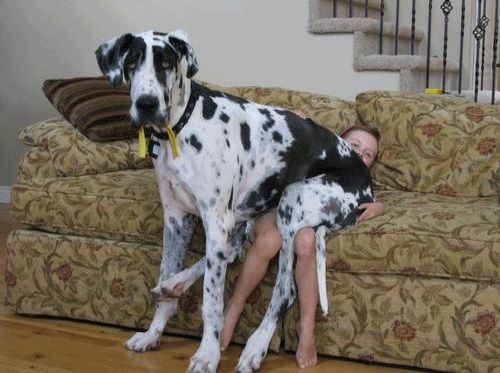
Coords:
pixel 93 106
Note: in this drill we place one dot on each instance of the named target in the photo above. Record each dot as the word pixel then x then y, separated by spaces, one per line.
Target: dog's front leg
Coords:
pixel 217 230
pixel 177 232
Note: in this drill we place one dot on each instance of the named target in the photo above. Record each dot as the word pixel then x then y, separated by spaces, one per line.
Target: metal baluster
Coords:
pixel 413 12
pixel 484 23
pixel 380 41
pixel 478 35
pixel 462 27
pixel 350 8
pixel 429 30
pixel 396 38
pixel 366 8
pixel 494 63
pixel 446 7
pixel 334 8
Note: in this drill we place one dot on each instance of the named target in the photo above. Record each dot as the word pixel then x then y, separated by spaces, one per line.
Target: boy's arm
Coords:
pixel 372 210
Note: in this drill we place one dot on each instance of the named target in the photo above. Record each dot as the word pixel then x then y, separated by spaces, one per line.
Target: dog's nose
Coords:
pixel 147 103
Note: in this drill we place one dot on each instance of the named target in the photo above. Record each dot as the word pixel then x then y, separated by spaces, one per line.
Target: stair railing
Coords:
pixel 479 33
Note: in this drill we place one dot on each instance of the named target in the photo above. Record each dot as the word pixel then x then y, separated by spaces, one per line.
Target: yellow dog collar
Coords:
pixel 142 143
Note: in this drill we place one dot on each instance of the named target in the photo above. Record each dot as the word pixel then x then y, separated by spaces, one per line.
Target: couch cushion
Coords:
pixel 72 154
pixel 98 110
pixel 331 112
pixel 423 234
pixel 434 144
pixel 120 205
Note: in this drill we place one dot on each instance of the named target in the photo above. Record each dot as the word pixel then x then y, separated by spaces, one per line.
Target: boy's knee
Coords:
pixel 305 242
pixel 268 243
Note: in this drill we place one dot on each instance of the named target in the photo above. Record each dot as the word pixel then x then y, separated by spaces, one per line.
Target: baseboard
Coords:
pixel 4 194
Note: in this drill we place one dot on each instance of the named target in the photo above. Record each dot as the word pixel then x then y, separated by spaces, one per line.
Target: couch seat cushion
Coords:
pixel 121 205
pixel 423 234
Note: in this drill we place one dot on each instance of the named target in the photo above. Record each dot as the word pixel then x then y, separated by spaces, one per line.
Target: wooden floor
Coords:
pixel 52 345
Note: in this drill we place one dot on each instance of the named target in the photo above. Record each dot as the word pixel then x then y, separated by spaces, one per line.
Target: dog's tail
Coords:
pixel 321 267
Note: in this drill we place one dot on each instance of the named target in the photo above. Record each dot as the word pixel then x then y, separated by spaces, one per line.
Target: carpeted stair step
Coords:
pixel 324 9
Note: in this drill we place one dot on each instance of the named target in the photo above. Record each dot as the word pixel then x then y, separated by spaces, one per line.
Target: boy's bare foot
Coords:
pixel 231 315
pixel 306 355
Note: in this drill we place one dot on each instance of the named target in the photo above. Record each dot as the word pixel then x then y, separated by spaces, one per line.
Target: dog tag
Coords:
pixel 153 148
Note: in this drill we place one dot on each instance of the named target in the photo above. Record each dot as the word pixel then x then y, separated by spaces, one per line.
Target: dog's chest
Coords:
pixel 175 181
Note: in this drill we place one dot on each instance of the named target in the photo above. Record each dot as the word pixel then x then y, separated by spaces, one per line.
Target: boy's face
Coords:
pixel 364 144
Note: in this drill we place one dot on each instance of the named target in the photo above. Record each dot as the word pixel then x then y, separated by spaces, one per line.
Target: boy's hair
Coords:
pixel 358 127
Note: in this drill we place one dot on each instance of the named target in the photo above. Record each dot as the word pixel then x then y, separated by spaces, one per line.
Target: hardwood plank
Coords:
pixel 56 345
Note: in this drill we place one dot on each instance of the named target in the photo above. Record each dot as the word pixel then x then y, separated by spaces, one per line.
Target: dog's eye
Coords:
pixel 166 64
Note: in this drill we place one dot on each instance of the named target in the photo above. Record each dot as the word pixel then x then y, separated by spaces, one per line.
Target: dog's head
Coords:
pixel 155 67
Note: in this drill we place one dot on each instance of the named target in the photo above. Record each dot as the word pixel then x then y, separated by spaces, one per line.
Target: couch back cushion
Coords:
pixel 330 112
pixel 434 144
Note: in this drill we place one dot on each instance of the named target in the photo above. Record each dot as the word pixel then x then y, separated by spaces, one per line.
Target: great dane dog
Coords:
pixel 237 159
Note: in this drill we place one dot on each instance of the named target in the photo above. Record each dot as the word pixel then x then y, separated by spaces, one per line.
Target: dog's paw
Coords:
pixel 204 362
pixel 167 291
pixel 251 359
pixel 255 350
pixel 142 342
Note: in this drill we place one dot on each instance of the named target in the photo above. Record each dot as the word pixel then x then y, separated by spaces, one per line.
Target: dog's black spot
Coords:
pixel 209 264
pixel 221 255
pixel 277 137
pixel 217 191
pixel 285 213
pixel 181 82
pixel 216 334
pixel 224 117
pixel 228 143
pixel 135 57
pixel 209 107
pixel 269 120
pixel 245 135
pixel 195 143
pixel 230 203
pixel 163 55
pixel 159 33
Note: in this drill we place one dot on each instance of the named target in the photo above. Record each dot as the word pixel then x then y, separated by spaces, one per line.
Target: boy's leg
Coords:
pixel 307 288
pixel 266 241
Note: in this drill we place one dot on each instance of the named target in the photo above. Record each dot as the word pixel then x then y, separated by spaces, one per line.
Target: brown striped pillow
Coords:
pixel 93 106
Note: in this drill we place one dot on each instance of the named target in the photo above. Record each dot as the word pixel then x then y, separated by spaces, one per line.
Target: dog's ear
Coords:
pixel 110 56
pixel 179 40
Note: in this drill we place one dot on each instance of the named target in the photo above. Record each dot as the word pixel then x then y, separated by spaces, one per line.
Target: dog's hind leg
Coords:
pixel 177 233
pixel 309 203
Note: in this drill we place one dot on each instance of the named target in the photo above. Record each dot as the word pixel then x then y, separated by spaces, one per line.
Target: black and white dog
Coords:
pixel 238 159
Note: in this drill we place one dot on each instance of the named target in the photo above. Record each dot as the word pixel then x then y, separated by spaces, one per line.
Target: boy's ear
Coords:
pixel 179 40
pixel 110 56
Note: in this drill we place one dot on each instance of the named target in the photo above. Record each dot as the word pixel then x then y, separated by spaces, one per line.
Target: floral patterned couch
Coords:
pixel 417 286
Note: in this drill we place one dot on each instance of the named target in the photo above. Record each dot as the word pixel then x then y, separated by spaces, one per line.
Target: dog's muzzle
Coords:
pixel 147 107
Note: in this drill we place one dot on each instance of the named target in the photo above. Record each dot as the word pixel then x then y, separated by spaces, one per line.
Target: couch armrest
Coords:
pixel 72 154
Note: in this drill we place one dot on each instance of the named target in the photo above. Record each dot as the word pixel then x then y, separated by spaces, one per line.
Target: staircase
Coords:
pixel 364 24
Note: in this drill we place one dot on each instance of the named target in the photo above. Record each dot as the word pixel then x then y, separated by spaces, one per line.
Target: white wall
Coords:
pixel 237 42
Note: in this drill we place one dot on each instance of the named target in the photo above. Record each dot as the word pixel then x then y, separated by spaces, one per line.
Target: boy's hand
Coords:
pixel 372 210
